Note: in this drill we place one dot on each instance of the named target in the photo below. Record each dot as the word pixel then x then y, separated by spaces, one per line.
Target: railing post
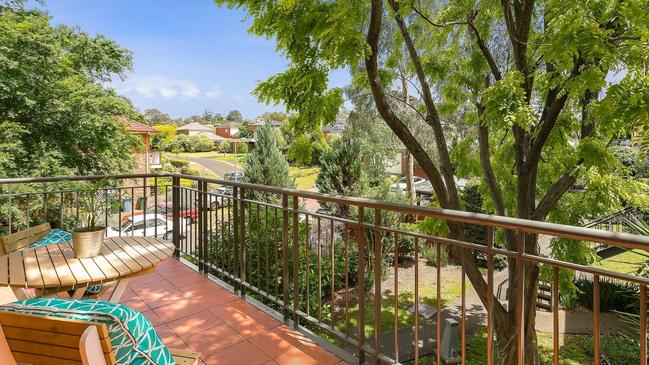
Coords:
pixel 296 263
pixel 175 214
pixel 361 285
pixel 242 239
pixel 204 233
pixel 377 285
pixel 200 239
pixel 285 293
pixel 235 239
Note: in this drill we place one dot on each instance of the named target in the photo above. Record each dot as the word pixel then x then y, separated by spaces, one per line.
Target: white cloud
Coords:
pixel 153 86
pixel 214 93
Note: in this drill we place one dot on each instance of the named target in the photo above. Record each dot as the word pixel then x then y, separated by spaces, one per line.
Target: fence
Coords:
pixel 331 273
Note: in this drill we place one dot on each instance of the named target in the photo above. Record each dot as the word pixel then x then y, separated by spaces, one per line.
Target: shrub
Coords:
pixel 242 147
pixel 301 151
pixel 224 147
pixel 428 251
pixel 614 295
pixel 185 143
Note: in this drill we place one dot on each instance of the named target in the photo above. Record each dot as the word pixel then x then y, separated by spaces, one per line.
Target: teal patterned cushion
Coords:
pixel 54 236
pixel 134 340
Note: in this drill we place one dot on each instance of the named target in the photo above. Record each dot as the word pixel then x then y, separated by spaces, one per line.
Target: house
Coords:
pixel 258 123
pixel 145 159
pixel 335 128
pixel 228 130
pixel 198 129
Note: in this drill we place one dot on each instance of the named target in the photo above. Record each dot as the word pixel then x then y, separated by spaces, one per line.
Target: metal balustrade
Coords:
pixel 325 272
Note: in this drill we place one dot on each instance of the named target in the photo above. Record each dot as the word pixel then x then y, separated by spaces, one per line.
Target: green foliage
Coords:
pixel 56 115
pixel 266 165
pixel 428 251
pixel 245 130
pixel 242 147
pixel 93 205
pixel 224 146
pixel 160 140
pixel 614 295
pixel 341 171
pixel 301 151
pixel 634 159
pixel 185 143
pixel 234 116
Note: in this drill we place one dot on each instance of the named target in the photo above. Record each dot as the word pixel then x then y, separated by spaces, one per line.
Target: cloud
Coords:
pixel 153 86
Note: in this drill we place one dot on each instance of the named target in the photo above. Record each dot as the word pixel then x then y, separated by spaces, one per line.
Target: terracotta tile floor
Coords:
pixel 190 311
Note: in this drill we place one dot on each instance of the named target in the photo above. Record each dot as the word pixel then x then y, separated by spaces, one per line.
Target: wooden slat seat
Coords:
pixel 19 240
pixel 42 340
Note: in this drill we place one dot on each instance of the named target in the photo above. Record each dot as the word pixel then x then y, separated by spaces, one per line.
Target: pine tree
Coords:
pixel 341 171
pixel 266 165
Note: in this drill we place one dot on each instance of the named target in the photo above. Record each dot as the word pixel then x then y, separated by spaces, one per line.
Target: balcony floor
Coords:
pixel 190 311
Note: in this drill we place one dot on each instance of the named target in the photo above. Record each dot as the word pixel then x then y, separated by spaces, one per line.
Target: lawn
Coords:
pixel 305 176
pixel 626 262
pixel 573 349
pixel 228 157
pixel 192 154
pixel 451 291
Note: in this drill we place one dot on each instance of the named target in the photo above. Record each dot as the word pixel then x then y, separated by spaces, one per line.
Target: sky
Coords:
pixel 188 56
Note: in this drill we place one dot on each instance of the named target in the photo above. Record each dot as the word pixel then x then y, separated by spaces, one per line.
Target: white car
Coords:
pixel 402 184
pixel 134 226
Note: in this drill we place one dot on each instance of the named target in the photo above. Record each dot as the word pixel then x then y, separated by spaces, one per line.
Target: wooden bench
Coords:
pixel 38 340
pixel 19 240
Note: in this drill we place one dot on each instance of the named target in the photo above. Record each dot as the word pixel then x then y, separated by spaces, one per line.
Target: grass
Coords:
pixel 451 291
pixel 626 262
pixel 191 154
pixel 573 349
pixel 228 157
pixel 304 176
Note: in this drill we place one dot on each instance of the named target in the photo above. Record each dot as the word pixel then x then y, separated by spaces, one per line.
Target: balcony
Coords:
pixel 258 276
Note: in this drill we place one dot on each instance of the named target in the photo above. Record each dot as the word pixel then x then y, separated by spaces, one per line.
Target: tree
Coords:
pixel 526 79
pixel 224 146
pixel 154 116
pixel 276 116
pixel 165 135
pixel 245 130
pixel 234 116
pixel 266 165
pixel 341 171
pixel 57 116
pixel 301 151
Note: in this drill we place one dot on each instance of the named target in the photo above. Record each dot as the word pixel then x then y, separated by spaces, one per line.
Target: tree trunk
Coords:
pixel 410 178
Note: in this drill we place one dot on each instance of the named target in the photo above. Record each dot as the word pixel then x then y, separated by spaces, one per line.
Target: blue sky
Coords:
pixel 188 56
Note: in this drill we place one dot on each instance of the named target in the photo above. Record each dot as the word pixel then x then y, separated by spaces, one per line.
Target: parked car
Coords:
pixel 135 226
pixel 216 196
pixel 233 176
pixel 166 208
pixel 402 184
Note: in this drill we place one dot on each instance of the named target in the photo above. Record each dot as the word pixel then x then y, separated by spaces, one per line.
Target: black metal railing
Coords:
pixel 330 273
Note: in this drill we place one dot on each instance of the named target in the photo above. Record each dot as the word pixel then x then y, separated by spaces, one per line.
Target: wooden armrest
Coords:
pixel 183 357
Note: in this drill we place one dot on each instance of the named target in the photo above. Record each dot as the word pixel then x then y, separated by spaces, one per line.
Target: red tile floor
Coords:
pixel 190 311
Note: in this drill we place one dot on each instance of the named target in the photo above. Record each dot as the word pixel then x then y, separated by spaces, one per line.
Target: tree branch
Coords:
pixel 483 48
pixel 433 115
pixel 397 126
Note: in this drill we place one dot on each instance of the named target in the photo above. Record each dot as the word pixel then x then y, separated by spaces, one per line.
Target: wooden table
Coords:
pixel 53 268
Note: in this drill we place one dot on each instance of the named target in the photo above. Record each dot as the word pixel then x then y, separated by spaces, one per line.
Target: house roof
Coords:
pixel 136 127
pixel 229 125
pixel 195 127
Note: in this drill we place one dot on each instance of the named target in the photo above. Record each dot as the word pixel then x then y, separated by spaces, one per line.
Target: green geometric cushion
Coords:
pixel 134 340
pixel 54 236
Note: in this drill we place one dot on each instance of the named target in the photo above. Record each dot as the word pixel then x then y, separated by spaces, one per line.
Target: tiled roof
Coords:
pixel 136 127
pixel 195 127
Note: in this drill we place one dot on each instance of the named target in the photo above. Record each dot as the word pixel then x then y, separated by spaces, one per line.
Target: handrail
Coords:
pixel 626 240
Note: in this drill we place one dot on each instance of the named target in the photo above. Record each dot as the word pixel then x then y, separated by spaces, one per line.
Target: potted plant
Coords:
pixel 88 239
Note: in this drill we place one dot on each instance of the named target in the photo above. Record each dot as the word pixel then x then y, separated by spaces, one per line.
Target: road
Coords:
pixel 218 168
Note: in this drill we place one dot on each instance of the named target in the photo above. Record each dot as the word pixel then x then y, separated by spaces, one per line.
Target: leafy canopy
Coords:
pixel 56 115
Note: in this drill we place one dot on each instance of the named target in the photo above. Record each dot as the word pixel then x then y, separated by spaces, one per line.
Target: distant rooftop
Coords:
pixel 195 127
pixel 136 127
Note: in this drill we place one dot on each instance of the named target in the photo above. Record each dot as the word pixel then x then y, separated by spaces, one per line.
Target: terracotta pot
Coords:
pixel 87 243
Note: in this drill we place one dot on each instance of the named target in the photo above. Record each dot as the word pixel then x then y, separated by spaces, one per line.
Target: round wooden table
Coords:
pixel 53 268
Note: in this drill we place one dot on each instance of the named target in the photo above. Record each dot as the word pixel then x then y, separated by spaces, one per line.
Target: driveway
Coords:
pixel 218 168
